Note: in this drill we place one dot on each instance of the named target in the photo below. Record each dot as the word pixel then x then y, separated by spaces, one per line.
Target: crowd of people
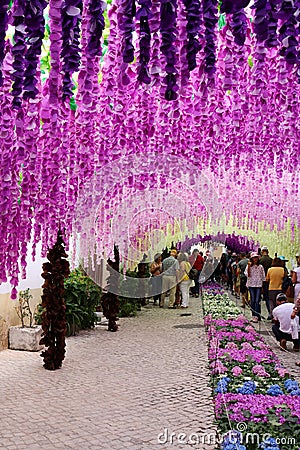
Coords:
pixel 253 277
pixel 256 276
pixel 171 276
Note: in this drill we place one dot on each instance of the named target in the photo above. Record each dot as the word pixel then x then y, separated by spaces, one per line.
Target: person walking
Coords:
pixel 241 267
pixel 183 279
pixel 275 277
pixel 170 267
pixel 256 277
pixel 156 269
pixel 266 262
pixel 197 262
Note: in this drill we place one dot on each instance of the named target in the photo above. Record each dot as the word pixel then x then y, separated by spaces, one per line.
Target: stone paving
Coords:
pixel 126 390
pixel 136 389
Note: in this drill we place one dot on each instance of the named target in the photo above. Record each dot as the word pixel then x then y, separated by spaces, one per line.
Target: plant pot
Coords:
pixel 26 338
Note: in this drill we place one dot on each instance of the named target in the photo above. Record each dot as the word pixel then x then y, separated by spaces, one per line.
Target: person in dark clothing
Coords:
pixel 266 262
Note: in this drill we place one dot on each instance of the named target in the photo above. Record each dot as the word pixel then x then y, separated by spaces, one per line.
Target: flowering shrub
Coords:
pixel 249 383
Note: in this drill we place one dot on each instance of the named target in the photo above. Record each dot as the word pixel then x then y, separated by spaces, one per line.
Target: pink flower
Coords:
pixel 260 371
pixel 219 367
pixel 282 371
pixel 237 370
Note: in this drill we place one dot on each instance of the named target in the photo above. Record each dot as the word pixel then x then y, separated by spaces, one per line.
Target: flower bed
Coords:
pixel 257 402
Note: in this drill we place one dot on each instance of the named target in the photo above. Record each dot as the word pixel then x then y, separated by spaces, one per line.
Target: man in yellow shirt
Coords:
pixel 275 277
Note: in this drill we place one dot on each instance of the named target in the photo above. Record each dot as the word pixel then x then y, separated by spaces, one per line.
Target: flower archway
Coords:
pixel 215 86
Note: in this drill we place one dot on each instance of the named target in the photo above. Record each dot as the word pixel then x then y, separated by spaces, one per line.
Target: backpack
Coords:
pixel 286 283
pixel 193 273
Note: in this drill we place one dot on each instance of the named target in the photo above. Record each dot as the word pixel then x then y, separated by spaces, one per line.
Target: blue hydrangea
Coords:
pixel 291 385
pixel 269 444
pixel 247 388
pixel 231 446
pixel 222 385
pixel 275 390
pixel 295 392
pixel 233 441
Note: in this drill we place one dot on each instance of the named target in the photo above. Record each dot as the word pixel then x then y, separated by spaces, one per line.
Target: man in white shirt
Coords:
pixel 285 328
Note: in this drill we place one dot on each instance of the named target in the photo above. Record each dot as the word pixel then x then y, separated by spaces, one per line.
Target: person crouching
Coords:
pixel 285 328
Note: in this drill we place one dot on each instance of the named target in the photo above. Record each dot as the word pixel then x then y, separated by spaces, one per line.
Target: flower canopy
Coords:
pixel 187 125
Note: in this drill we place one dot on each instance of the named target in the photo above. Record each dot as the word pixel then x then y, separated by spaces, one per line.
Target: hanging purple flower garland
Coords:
pixel 193 17
pixel 70 53
pixel 126 14
pixel 87 95
pixel 3 27
pixel 168 14
pixel 35 24
pixel 30 123
pixel 184 73
pixel 210 21
pixel 230 7
pixel 155 61
pixel 261 19
pixel 96 27
pixel 53 171
pixel 239 26
pixel 288 32
pixel 9 190
pixel 144 15
pixel 18 52
pixel 272 39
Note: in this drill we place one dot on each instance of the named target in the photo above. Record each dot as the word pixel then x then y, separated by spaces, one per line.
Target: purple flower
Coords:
pixel 237 370
pixel 35 23
pixel 168 14
pixel 3 27
pixel 70 55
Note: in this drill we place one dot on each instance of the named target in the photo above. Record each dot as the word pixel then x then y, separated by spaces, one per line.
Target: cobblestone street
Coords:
pixel 138 388
pixel 129 389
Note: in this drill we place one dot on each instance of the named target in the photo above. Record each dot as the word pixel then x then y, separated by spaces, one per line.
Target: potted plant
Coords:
pixel 27 335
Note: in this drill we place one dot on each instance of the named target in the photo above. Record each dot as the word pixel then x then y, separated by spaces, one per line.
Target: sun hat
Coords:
pixel 297 255
pixel 253 255
pixel 281 297
pixel 173 251
pixel 156 256
pixel 283 258
pixel 264 247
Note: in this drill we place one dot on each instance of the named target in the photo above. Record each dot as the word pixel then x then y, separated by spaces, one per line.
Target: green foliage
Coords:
pixel 222 21
pixel 285 433
pixel 73 104
pixel 82 296
pixel 129 306
pixel 23 308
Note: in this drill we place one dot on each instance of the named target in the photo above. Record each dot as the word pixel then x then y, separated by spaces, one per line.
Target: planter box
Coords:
pixel 25 338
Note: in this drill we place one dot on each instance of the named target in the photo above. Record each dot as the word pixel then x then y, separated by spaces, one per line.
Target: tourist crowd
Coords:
pixel 254 277
pixel 179 276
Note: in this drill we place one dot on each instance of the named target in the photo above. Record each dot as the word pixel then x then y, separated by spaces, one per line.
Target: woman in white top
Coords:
pixel 296 281
pixel 256 277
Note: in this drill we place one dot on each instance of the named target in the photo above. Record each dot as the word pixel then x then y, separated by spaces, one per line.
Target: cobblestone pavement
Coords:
pixel 124 390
